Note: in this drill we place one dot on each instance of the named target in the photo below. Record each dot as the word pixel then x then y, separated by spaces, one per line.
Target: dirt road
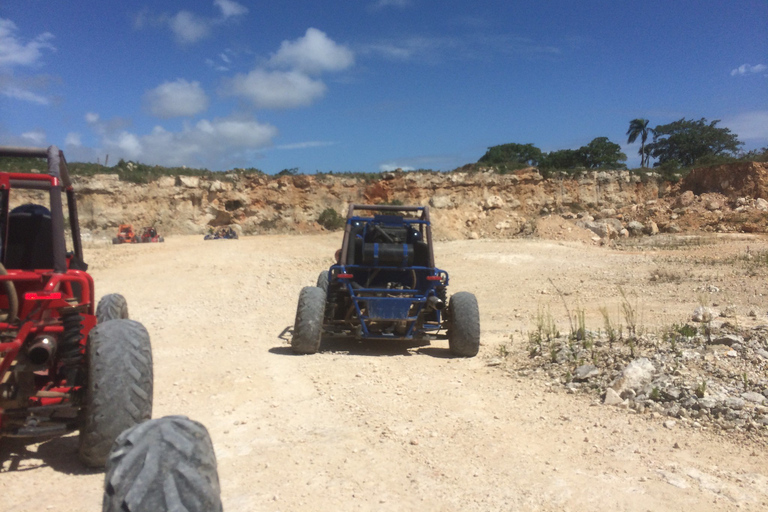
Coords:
pixel 393 427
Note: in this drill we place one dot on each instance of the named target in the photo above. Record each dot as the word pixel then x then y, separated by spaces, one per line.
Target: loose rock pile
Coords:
pixel 704 376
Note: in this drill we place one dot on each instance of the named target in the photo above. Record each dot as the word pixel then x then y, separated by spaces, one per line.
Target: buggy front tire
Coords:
pixel 464 327
pixel 162 465
pixel 308 328
pixel 118 393
pixel 111 307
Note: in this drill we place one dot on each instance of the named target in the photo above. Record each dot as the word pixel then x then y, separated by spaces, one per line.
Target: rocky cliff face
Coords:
pixel 463 204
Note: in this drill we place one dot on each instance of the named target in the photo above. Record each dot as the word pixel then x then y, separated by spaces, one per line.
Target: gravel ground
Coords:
pixel 385 426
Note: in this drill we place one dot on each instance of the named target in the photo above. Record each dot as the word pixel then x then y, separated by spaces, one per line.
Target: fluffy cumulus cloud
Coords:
pixel 289 78
pixel 189 28
pixel 313 53
pixel 275 89
pixel 73 139
pixel 230 8
pixel 35 137
pixel 19 93
pixel 206 143
pixel 15 52
pixel 749 125
pixel 746 69
pixel 380 4
pixel 176 99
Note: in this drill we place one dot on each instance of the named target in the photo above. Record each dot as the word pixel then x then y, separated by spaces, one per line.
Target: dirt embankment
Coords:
pixel 481 204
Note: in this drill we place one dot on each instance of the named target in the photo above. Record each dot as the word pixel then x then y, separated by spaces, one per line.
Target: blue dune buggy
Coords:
pixel 385 286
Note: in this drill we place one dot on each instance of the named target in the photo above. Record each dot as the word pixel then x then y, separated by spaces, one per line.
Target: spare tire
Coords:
pixel 167 464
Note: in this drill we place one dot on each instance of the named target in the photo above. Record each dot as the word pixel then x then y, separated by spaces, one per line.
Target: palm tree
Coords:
pixel 639 127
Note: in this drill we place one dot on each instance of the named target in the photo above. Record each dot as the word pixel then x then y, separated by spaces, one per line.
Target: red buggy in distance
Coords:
pixel 149 235
pixel 64 364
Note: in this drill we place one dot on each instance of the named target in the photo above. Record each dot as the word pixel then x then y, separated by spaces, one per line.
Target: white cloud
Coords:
pixel 746 69
pixel 230 8
pixel 176 99
pixel 91 117
pixel 749 125
pixel 73 139
pixel 36 137
pixel 394 167
pixel 380 4
pixel 15 52
pixel 15 92
pixel 206 143
pixel 189 28
pixel 313 53
pixel 307 144
pixel 275 89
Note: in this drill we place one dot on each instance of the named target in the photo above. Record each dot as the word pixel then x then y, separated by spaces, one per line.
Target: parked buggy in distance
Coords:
pixel 125 235
pixel 222 233
pixel 385 285
pixel 150 235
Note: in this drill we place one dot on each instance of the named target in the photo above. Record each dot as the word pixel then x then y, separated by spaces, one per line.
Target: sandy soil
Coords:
pixel 396 427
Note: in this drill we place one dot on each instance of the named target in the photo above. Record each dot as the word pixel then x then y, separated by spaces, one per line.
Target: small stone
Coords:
pixel 751 396
pixel 585 372
pixel 702 314
pixel 612 397
pixel 728 339
pixel 670 424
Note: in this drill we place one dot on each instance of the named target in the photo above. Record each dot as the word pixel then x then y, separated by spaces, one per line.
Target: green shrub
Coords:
pixel 330 220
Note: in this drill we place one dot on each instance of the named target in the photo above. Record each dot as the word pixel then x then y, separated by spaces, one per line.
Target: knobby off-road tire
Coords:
pixel 118 393
pixel 308 328
pixel 111 307
pixel 464 327
pixel 322 280
pixel 167 464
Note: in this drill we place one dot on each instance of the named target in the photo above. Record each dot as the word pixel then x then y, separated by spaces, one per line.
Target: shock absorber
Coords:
pixel 70 353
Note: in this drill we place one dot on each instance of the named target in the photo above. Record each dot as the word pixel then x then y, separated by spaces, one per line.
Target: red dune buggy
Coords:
pixel 65 364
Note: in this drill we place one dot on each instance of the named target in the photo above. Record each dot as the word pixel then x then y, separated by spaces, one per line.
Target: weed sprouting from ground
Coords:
pixel 546 331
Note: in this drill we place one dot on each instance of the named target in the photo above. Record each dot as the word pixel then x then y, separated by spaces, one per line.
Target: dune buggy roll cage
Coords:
pixel 56 181
pixel 387 268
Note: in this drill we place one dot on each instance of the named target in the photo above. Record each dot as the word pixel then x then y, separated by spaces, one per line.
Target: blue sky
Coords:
pixel 370 85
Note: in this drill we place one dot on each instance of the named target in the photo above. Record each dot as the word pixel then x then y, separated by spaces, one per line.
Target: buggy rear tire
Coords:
pixel 118 393
pixel 116 241
pixel 322 280
pixel 308 328
pixel 111 307
pixel 464 327
pixel 162 465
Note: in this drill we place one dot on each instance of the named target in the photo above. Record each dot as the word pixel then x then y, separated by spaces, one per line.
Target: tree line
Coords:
pixel 680 144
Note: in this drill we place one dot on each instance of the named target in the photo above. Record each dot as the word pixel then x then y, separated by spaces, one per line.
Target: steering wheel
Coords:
pixel 13 298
